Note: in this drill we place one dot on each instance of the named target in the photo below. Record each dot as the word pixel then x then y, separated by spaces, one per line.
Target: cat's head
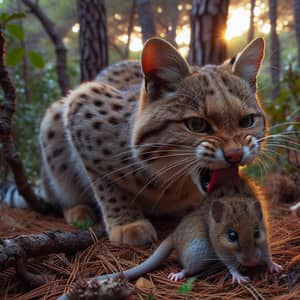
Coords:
pixel 198 118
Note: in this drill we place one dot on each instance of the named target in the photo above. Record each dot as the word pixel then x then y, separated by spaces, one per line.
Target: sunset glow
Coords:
pixel 238 23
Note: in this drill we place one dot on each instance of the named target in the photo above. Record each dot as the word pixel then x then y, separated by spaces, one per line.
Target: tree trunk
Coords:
pixel 130 28
pixel 251 21
pixel 146 16
pixel 208 24
pixel 274 50
pixel 10 154
pixel 297 27
pixel 93 41
pixel 60 49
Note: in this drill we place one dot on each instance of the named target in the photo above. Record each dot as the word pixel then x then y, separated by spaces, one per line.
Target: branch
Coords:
pixel 108 289
pixel 60 49
pixel 14 252
pixel 7 109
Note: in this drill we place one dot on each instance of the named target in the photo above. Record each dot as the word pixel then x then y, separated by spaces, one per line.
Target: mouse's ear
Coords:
pixel 258 210
pixel 217 211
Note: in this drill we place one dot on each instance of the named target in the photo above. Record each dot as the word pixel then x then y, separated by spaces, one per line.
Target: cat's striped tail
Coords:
pixel 11 197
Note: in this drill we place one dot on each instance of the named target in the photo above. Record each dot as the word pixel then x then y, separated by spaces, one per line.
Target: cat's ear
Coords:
pixel 247 63
pixel 162 66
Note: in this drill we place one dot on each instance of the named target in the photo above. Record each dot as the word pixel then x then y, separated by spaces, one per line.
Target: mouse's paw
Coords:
pixel 239 278
pixel 137 233
pixel 273 267
pixel 176 276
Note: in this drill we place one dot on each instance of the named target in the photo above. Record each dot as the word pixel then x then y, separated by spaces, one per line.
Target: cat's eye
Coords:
pixel 232 236
pixel 247 121
pixel 198 125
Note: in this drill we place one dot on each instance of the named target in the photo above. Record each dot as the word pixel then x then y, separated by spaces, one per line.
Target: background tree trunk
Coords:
pixel 130 28
pixel 275 50
pixel 25 60
pixel 145 11
pixel 60 49
pixel 251 21
pixel 297 27
pixel 93 41
pixel 208 24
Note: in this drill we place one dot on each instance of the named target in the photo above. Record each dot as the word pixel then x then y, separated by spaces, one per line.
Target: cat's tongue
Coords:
pixel 218 176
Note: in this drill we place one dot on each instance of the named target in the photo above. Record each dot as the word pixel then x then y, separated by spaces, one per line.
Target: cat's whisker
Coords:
pixel 259 162
pixel 284 124
pixel 158 174
pixel 273 144
pixel 270 151
pixel 283 139
pixel 286 135
pixel 131 166
pixel 139 163
pixel 170 181
pixel 268 159
pixel 141 168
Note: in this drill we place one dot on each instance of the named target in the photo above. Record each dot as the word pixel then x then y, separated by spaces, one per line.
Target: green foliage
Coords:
pixel 15 30
pixel 36 59
pixel 187 287
pixel 150 297
pixel 14 56
pixel 17 53
pixel 5 18
pixel 28 115
pixel 83 225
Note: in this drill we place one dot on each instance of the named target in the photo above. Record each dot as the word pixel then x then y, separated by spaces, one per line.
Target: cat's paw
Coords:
pixel 80 216
pixel 137 233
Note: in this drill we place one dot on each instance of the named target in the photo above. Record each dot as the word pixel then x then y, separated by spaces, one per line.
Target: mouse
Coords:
pixel 231 226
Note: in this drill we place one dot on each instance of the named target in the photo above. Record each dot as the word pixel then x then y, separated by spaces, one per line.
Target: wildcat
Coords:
pixel 145 145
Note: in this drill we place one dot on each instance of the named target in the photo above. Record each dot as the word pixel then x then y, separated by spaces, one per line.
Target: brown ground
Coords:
pixel 103 257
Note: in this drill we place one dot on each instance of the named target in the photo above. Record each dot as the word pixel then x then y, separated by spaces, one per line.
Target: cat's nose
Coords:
pixel 233 156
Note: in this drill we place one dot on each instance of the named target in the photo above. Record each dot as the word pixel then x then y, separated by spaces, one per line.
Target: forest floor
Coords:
pixel 102 257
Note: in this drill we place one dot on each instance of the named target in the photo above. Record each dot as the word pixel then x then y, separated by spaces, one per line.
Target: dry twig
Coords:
pixel 14 252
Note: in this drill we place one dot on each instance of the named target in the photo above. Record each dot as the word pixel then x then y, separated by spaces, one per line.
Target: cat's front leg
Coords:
pixel 124 221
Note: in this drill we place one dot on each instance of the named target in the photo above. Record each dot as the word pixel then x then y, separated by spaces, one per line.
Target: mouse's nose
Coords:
pixel 233 156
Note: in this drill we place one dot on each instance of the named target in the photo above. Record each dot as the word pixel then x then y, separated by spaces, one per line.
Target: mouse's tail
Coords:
pixel 151 263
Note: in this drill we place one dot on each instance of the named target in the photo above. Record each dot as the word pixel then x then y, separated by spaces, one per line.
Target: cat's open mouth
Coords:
pixel 204 179
pixel 207 179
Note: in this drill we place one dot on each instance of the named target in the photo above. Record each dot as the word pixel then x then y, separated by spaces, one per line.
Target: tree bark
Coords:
pixel 60 49
pixel 251 21
pixel 93 41
pixel 7 109
pixel 297 27
pixel 208 24
pixel 146 16
pixel 274 50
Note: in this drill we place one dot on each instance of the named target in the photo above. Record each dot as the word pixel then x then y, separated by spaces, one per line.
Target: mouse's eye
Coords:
pixel 256 234
pixel 232 236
